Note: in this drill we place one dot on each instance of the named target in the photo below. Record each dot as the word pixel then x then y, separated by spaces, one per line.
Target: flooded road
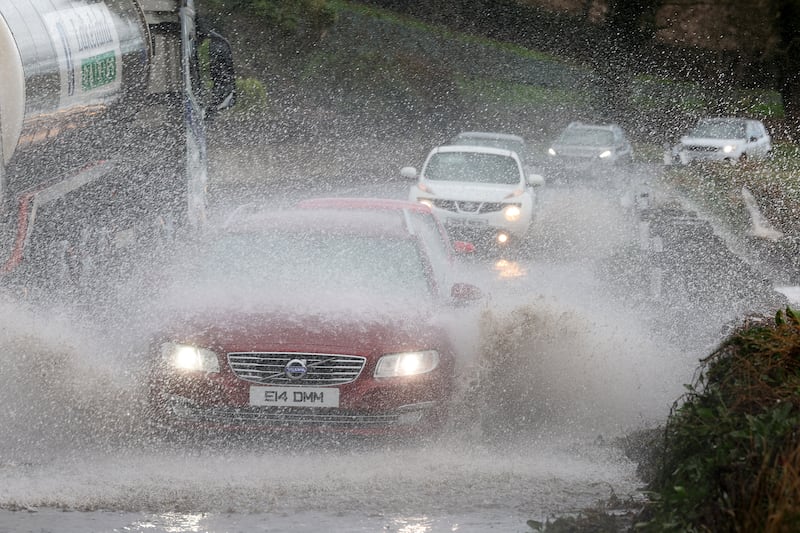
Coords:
pixel 452 485
pixel 585 360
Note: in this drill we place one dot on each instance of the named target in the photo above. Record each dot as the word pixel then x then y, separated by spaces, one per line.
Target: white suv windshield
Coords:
pixel 587 137
pixel 718 130
pixel 503 144
pixel 472 167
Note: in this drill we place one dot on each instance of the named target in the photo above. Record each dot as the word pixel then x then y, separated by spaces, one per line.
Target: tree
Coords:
pixel 787 58
pixel 628 30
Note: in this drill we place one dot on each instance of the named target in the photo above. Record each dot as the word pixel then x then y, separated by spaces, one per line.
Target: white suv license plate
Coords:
pixel 476 223
pixel 294 396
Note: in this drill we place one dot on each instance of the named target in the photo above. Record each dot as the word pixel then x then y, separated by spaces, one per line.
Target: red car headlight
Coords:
pixel 406 364
pixel 189 358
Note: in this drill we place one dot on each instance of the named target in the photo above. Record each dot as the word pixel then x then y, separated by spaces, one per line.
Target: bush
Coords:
pixel 732 449
pixel 251 95
pixel 287 15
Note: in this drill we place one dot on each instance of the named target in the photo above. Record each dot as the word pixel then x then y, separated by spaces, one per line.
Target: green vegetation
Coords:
pixel 657 94
pixel 386 15
pixel 731 459
pixel 401 75
pixel 760 104
pixel 438 30
pixel 251 96
pixel 521 93
pixel 286 15
pixel 717 188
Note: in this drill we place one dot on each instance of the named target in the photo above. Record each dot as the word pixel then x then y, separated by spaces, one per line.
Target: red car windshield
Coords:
pixel 293 263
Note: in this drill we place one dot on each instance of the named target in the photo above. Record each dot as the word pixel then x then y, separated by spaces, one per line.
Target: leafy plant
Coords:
pixel 732 448
pixel 251 95
pixel 287 15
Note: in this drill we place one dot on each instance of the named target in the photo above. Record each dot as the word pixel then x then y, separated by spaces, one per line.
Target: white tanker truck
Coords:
pixel 102 133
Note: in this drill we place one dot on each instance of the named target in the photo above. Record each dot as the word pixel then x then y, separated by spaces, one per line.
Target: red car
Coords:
pixel 308 320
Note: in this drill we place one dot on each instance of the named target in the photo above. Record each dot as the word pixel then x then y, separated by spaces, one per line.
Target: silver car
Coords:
pixel 721 139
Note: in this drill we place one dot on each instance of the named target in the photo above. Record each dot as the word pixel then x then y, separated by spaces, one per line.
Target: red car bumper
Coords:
pixel 366 406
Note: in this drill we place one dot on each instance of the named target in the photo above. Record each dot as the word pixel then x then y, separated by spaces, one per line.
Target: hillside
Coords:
pixel 379 74
pixel 378 89
pixel 380 84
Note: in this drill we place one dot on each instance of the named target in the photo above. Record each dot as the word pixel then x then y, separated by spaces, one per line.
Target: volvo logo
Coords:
pixel 295 369
pixel 469 207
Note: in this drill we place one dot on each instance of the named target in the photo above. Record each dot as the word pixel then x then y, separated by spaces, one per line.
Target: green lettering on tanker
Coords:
pixel 98 70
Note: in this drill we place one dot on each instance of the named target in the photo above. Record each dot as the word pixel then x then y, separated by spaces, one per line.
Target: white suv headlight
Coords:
pixel 189 358
pixel 406 364
pixel 512 213
pixel 728 148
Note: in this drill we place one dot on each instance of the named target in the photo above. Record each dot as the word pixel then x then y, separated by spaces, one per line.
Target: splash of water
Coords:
pixel 62 388
pixel 548 366
pixel 760 227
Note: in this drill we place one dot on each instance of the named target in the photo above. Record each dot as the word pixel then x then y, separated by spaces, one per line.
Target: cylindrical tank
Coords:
pixel 63 62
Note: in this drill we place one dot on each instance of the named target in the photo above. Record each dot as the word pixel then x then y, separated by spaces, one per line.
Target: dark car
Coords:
pixel 308 320
pixel 587 148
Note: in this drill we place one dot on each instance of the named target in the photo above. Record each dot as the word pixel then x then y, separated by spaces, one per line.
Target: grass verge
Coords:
pixel 716 188
pixel 731 456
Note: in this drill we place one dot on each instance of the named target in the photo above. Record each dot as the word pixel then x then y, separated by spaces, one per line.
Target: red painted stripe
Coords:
pixel 24 218
pixel 23 214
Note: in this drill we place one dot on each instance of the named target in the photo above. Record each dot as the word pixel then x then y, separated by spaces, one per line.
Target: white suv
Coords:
pixel 477 191
pixel 721 139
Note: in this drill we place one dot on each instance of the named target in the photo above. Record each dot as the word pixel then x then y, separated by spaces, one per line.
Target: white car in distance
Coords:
pixel 479 192
pixel 721 139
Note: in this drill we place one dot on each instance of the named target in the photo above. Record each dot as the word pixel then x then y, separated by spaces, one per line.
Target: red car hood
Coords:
pixel 349 333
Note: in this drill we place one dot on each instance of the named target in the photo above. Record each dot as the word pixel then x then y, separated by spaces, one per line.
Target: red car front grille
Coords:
pixel 255 416
pixel 321 369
